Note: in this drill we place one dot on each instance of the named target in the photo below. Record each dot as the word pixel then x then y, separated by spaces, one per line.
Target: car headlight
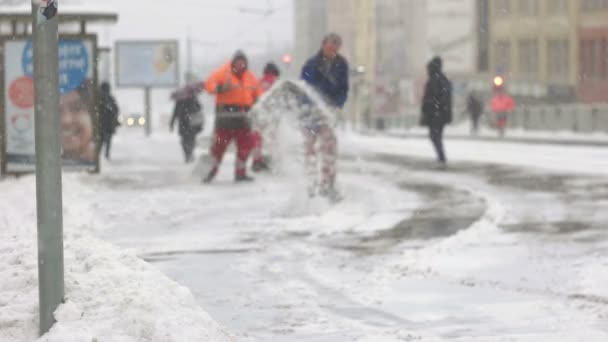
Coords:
pixel 141 121
pixel 130 121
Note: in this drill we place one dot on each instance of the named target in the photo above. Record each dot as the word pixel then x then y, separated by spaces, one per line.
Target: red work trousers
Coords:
pixel 223 138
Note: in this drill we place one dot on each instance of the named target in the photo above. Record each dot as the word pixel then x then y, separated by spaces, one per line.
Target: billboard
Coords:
pixel 142 64
pixel 77 103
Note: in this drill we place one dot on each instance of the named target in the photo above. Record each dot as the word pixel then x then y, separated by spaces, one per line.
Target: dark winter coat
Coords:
pixel 183 113
pixel 108 113
pixel 474 106
pixel 332 81
pixel 437 101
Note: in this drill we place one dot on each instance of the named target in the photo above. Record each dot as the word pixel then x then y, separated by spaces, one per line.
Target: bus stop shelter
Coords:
pixel 82 55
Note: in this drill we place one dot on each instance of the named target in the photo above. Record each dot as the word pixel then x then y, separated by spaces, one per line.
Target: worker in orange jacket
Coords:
pixel 236 90
pixel 502 104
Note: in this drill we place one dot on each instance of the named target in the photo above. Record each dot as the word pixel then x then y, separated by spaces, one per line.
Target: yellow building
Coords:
pixel 554 49
pixel 533 43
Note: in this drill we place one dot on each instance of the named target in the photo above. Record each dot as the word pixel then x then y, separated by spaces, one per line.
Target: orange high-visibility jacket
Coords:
pixel 502 103
pixel 244 91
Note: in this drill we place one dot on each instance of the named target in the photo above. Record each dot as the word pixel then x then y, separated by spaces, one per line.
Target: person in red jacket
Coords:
pixel 236 90
pixel 502 104
pixel 260 163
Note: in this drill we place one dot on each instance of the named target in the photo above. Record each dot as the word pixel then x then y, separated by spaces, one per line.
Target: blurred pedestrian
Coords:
pixel 108 117
pixel 236 90
pixel 188 112
pixel 327 72
pixel 475 109
pixel 261 162
pixel 437 106
pixel 502 105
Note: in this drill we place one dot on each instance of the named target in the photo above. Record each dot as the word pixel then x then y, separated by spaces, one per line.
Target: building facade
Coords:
pixel 310 17
pixel 551 49
pixel 593 51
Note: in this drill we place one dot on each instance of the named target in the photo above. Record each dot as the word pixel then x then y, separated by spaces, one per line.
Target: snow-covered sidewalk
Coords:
pixel 462 131
pixel 589 160
pixel 111 295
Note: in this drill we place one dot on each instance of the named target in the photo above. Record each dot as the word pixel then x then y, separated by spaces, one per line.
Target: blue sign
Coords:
pixel 73 64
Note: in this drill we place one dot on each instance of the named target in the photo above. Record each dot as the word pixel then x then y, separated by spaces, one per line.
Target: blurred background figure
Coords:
pixel 270 75
pixel 502 104
pixel 108 117
pixel 475 110
pixel 188 112
pixel 437 106
pixel 261 162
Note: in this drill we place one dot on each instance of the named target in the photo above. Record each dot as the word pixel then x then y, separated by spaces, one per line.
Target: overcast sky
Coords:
pixel 210 21
pixel 219 26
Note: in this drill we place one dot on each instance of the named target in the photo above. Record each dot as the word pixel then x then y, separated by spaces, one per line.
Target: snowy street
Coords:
pixel 304 171
pixel 509 244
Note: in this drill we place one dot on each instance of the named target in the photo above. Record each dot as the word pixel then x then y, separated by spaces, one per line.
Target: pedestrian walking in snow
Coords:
pixel 502 105
pixel 261 162
pixel 108 118
pixel 188 112
pixel 236 90
pixel 437 106
pixel 475 109
pixel 327 73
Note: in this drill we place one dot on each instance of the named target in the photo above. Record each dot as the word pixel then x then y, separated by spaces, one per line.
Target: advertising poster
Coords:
pixel 147 64
pixel 76 107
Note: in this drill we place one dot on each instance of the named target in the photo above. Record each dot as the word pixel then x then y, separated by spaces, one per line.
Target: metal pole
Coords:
pixel 189 58
pixel 48 163
pixel 147 108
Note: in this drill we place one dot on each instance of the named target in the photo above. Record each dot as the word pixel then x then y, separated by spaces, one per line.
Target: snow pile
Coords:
pixel 111 295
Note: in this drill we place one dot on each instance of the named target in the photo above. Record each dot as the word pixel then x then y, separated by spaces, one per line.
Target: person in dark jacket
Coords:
pixel 437 106
pixel 108 117
pixel 327 73
pixel 188 112
pixel 475 109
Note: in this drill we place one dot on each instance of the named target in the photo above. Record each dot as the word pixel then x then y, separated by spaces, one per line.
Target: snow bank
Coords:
pixel 111 295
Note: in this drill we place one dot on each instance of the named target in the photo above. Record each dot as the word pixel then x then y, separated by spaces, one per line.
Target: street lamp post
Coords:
pixel 48 160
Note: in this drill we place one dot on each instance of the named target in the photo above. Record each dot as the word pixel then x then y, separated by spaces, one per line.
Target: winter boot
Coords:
pixel 331 194
pixel 243 179
pixel 209 178
pixel 260 165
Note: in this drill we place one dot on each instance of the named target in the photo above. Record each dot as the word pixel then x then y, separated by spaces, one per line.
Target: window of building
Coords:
pixel 528 58
pixel 594 59
pixel 502 8
pixel 528 7
pixel 593 5
pixel 558 59
pixel 502 56
pixel 604 59
pixel 557 7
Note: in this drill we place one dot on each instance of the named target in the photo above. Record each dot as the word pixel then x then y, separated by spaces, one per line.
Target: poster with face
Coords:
pixel 76 105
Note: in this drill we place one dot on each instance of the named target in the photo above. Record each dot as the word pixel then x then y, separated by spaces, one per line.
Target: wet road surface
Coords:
pixel 392 282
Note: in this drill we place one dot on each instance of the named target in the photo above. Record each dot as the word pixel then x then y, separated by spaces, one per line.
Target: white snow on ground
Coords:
pixel 501 287
pixel 565 159
pixel 463 130
pixel 112 295
pixel 256 254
